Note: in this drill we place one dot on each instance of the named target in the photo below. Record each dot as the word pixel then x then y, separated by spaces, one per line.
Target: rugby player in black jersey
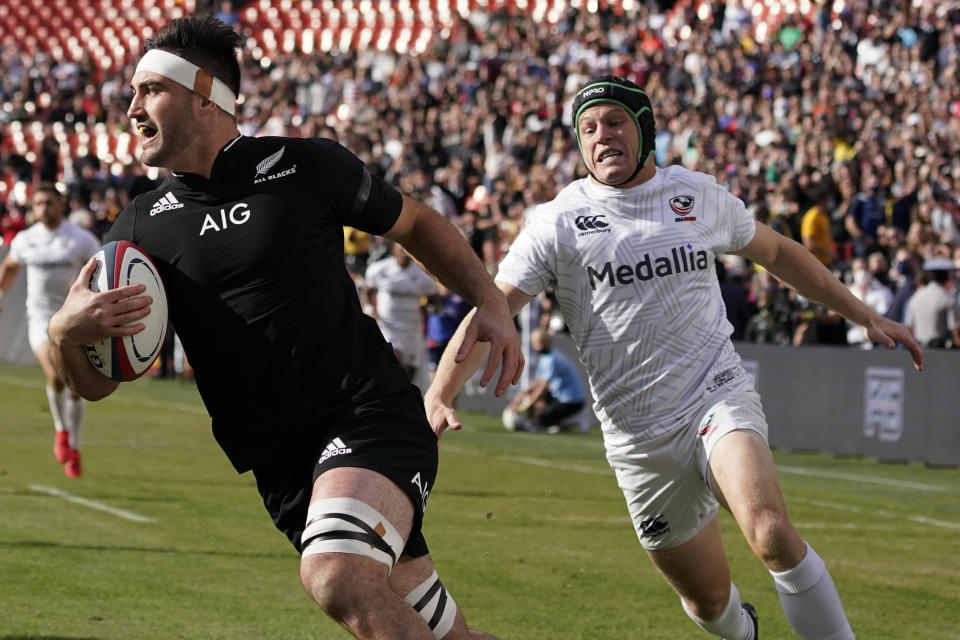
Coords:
pixel 301 386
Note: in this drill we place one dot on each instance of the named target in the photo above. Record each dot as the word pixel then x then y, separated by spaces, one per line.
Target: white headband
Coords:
pixel 198 80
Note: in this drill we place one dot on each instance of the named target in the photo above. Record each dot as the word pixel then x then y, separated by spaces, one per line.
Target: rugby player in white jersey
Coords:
pixel 53 250
pixel 398 286
pixel 629 252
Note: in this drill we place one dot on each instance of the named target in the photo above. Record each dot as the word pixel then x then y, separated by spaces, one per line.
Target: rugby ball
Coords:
pixel 511 420
pixel 126 358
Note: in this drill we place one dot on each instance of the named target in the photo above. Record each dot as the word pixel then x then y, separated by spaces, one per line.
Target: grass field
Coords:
pixel 161 539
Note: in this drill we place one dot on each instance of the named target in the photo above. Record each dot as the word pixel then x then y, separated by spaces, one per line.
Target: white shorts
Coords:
pixel 665 480
pixel 37 331
pixel 411 346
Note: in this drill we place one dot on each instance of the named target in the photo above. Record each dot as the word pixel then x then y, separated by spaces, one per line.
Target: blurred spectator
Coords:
pixel 772 323
pixel 356 248
pixel 815 226
pixel 445 310
pixel 866 214
pixel 932 312
pixel 735 299
pixel 226 13
pixel 903 276
pixel 876 296
pixel 12 222
pixel 816 324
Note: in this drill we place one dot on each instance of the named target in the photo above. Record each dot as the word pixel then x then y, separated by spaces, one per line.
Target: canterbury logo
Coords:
pixel 267 163
pixel 336 447
pixel 166 203
pixel 590 223
pixel 654 527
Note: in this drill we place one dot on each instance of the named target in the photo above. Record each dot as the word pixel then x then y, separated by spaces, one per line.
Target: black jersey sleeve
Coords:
pixel 356 197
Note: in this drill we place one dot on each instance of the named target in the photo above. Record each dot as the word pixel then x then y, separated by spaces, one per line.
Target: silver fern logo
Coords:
pixel 267 163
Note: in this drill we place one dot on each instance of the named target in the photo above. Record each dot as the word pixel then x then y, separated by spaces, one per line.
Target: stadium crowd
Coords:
pixel 840 130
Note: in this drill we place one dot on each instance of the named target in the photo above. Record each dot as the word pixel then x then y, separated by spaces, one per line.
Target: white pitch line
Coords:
pixel 538 462
pixel 815 473
pixel 853 477
pixel 883 513
pixel 69 497
pixel 120 398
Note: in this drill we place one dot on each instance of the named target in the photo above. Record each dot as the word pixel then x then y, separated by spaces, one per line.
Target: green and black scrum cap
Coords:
pixel 616 90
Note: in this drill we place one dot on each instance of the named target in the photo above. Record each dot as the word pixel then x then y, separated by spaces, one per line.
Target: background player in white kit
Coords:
pixel 400 286
pixel 629 252
pixel 53 250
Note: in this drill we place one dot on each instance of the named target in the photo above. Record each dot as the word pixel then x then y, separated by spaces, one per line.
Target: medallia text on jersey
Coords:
pixel 665 258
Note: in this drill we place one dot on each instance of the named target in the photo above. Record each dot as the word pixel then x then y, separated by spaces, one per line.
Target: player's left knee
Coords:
pixel 772 537
pixel 347 546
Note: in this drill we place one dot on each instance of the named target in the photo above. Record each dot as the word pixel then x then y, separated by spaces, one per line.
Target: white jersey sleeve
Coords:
pixel 633 271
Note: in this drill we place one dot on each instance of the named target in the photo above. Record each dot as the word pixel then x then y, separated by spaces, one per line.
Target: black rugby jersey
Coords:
pixel 253 265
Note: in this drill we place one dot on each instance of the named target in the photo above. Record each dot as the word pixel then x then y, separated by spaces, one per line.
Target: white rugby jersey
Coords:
pixel 633 270
pixel 52 260
pixel 399 292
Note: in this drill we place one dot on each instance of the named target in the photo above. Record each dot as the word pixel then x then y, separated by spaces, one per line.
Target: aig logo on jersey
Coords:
pixel 237 215
pixel 682 206
pixel 263 168
pixel 590 225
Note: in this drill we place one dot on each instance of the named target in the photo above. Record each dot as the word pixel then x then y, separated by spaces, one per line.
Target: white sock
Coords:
pixel 810 600
pixel 56 406
pixel 74 411
pixel 733 623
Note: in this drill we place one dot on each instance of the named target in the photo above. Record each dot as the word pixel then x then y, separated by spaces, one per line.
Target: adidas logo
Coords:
pixel 166 203
pixel 336 447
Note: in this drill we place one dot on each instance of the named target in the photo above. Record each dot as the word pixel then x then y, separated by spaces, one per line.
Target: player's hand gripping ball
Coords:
pixel 126 358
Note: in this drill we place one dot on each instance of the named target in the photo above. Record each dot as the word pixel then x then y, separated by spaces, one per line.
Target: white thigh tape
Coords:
pixel 346 525
pixel 184 72
pixel 434 605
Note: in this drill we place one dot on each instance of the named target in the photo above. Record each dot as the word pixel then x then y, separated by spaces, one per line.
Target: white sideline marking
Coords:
pixel 69 497
pixel 159 404
pixel 853 477
pixel 145 402
pixel 945 524
pixel 538 462
pixel 815 473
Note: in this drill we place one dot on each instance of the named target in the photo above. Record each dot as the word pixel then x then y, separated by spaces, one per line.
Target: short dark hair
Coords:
pixel 207 42
pixel 48 187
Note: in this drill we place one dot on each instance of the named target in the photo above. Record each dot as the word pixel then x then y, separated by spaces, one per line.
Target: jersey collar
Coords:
pixel 221 164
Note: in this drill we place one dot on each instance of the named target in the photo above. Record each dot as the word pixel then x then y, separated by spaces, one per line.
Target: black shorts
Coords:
pixel 556 412
pixel 433 354
pixel 390 436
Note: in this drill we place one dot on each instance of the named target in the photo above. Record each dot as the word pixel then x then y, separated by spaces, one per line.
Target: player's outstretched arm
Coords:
pixel 87 317
pixel 791 263
pixel 458 363
pixel 444 252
